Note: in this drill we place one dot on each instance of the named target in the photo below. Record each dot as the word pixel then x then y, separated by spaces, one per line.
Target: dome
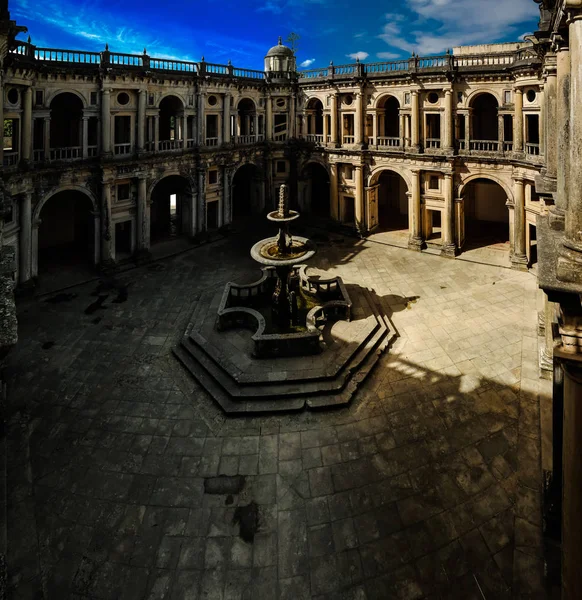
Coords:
pixel 280 50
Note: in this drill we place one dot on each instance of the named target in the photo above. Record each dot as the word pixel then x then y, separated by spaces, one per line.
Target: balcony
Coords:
pixel 484 145
pixel 10 158
pixel 166 145
pixel 315 138
pixel 391 142
pixel 532 149
pixel 211 141
pixel 433 143
pixel 71 153
pixel 280 137
pixel 121 149
pixel 507 146
pixel 245 139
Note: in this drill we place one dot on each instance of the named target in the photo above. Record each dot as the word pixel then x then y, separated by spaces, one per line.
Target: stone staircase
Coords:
pixel 222 364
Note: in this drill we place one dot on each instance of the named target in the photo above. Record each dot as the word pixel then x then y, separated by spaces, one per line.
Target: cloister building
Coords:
pixel 112 153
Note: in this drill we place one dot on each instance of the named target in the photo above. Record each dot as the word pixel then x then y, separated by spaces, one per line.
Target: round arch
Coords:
pixel 314 103
pixel 390 189
pixel 249 102
pixel 50 98
pixel 479 92
pixel 383 98
pixel 248 190
pixel 172 95
pixel 375 175
pixel 64 188
pixel 506 188
pixel 313 161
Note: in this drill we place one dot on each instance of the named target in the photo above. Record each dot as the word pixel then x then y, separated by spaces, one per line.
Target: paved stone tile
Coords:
pixel 426 486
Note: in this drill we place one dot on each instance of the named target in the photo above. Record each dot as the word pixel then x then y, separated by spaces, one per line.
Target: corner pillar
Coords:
pixel 415 241
pixel 449 249
pixel 519 258
pixel 25 249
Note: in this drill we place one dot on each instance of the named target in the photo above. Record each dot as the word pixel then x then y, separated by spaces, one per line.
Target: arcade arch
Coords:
pixel 317 190
pixel 392 201
pixel 484 121
pixel 247 191
pixel 66 122
pixel 314 115
pixel 171 210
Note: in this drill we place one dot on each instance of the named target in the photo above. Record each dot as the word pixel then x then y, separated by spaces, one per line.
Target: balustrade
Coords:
pixel 532 149
pixel 127 60
pixel 212 141
pixel 432 143
pixel 349 139
pixel 170 145
pixel 38 155
pixel 122 149
pixel 315 138
pixel 245 139
pixel 10 159
pixel 162 64
pixel 280 137
pixel 190 143
pixel 507 146
pixel 388 141
pixel 92 151
pixel 71 153
pixel 484 145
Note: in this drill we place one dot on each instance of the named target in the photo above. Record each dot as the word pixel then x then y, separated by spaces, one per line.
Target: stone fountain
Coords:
pixel 310 342
pixel 283 252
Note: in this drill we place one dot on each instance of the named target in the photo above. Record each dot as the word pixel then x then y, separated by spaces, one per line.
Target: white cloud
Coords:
pixel 388 55
pixel 358 55
pixel 307 63
pixel 360 35
pixel 441 24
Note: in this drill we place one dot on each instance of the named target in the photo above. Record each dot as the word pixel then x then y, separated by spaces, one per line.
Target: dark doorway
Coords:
pixel 65 126
pixel 317 191
pixel 246 185
pixel 66 235
pixel 212 215
pixel 485 122
pixel 392 202
pixel 170 209
pixel 122 240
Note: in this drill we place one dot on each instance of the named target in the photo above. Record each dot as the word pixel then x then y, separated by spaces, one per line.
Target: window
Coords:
pixel 348 100
pixel 348 172
pixel 122 130
pixel 151 99
pixel 433 182
pixel 12 96
pixel 507 97
pixel 281 166
pixel 123 192
pixel 212 177
pixel 93 98
pixel 531 95
pixel 123 98
pixel 212 100
pixel 280 102
pixel 433 97
pixel 407 98
pixel 39 98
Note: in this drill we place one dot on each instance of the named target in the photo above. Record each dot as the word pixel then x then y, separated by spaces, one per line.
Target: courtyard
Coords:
pixel 427 486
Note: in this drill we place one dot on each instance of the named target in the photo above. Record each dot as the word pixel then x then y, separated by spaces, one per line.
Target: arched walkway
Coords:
pixel 486 216
pixel 317 196
pixel 247 192
pixel 172 125
pixel 392 202
pixel 314 116
pixel 66 234
pixel 246 113
pixel 171 209
pixel 388 115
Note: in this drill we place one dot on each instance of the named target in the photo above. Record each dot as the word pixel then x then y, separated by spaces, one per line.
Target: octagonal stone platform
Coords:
pixel 223 364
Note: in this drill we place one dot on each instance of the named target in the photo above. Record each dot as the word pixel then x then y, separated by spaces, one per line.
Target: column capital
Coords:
pixel 519 179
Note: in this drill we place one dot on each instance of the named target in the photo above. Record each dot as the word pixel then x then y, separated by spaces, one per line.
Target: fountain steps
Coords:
pixel 267 390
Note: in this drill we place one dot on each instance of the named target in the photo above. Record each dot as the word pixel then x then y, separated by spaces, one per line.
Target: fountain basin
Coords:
pixel 330 302
pixel 301 250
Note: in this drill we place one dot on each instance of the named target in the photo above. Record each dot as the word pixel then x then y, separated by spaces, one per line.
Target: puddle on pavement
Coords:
pixel 248 519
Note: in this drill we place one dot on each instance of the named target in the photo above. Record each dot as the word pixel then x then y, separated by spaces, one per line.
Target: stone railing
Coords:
pixel 170 145
pixel 433 143
pixel 388 141
pixel 71 153
pixel 484 145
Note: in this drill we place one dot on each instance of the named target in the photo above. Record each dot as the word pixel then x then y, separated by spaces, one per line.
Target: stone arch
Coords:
pixel 506 187
pixel 248 189
pixel 391 207
pixel 382 97
pixel 171 94
pixel 170 200
pixel 52 96
pixel 316 160
pixel 478 92
pixel 375 175
pixel 93 244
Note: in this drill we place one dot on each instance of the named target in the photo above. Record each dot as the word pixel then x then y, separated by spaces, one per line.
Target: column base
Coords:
pixel 519 262
pixel 556 218
pixel 569 266
pixel 414 149
pixel 449 250
pixel 449 151
pixel 416 243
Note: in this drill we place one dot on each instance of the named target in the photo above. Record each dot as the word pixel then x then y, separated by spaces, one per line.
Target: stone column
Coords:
pixel 226 198
pixel 334 120
pixel 414 212
pixel 106 122
pixel 500 136
pixel 201 201
pixel 359 207
pixel 156 132
pixel 415 133
pixel 448 137
pixel 292 133
pixel 107 250
pixel 141 118
pixel 519 257
pixel 570 262
pixel 569 354
pixel 550 121
pixel 325 129
pixel 201 125
pixel 542 120
pixel 557 213
pixel 547 353
pixel 47 138
pixel 269 118
pixel 143 218
pixel 25 248
pixel 27 125
pixel 226 119
pixel 333 192
pixel 449 248
pixel 358 129
pixel 518 122
pixel 468 131
pixel 85 137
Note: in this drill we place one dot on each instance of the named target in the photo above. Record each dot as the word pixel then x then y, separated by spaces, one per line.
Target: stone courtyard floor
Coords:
pixel 427 486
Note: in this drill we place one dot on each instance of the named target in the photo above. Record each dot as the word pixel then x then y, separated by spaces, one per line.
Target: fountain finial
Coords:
pixel 283 201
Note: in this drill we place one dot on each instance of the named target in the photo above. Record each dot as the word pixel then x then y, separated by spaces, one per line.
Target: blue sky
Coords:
pixel 219 30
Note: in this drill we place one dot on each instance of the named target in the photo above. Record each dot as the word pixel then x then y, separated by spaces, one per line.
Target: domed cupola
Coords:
pixel 280 59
